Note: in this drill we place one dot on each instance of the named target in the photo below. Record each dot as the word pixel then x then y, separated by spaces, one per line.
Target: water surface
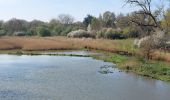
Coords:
pixel 72 78
pixel 80 53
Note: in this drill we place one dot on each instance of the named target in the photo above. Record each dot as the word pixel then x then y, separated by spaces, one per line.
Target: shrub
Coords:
pixel 66 30
pixel 110 33
pixel 148 47
pixel 43 31
pixel 57 30
pixel 101 33
pixel 62 30
pixel 80 34
pixel 32 32
pixel 114 34
pixel 20 33
pixel 2 32
pixel 130 32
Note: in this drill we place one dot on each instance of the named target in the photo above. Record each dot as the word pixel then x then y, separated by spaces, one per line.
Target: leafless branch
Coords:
pixel 145 6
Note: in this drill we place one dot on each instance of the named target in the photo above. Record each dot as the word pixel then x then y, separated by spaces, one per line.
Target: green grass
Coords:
pixel 158 70
pixel 154 69
pixel 116 58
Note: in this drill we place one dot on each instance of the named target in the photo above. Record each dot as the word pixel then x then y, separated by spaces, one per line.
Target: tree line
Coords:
pixel 64 24
pixel 107 25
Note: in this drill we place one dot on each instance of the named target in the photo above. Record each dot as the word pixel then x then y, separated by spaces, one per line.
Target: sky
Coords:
pixel 47 9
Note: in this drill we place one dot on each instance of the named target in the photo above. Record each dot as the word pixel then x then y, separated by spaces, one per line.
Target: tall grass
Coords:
pixel 43 43
pixel 124 46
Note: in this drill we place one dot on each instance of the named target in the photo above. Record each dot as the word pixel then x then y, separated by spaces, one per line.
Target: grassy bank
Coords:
pixel 154 69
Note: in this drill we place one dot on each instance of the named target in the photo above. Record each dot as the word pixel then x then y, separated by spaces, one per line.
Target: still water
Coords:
pixel 72 78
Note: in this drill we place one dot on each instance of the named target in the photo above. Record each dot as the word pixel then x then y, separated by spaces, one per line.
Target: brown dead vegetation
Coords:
pixel 124 47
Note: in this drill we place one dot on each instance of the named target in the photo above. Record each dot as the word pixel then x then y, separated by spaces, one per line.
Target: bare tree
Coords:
pixel 109 19
pixel 15 25
pixel 148 19
pixel 65 19
pixel 148 48
pixel 151 16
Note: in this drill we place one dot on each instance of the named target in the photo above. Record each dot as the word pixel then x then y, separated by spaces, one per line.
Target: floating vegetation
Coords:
pixel 106 69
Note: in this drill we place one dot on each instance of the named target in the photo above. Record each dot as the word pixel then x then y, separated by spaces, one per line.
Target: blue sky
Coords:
pixel 48 9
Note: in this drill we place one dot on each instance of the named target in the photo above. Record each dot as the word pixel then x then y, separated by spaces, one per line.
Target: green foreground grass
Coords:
pixel 155 69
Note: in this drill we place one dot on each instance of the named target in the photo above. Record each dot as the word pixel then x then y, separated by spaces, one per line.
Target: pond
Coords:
pixel 46 77
pixel 79 53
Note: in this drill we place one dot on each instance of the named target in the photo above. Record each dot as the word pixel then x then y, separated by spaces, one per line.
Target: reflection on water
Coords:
pixel 82 53
pixel 73 78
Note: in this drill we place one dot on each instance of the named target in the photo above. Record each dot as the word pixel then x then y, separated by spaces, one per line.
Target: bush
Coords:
pixel 101 33
pixel 57 30
pixel 2 32
pixel 32 32
pixel 43 31
pixel 80 34
pixel 113 34
pixel 66 31
pixel 130 32
pixel 110 34
pixel 61 30
pixel 20 33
